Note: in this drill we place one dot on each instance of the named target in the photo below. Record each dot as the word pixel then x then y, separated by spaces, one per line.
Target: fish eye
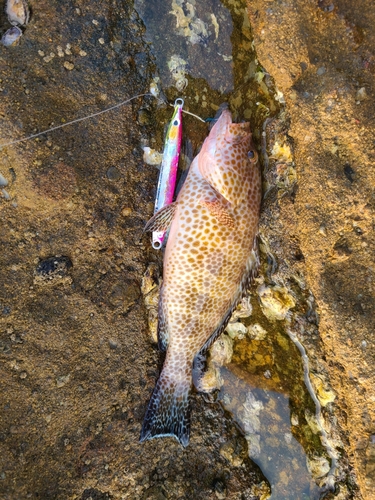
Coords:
pixel 175 123
pixel 250 155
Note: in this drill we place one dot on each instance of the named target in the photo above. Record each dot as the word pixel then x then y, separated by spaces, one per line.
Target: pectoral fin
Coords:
pixel 162 219
pixel 218 210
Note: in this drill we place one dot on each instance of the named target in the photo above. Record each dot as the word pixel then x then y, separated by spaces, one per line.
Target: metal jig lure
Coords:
pixel 168 169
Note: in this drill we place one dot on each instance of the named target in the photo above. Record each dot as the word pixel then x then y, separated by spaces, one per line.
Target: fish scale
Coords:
pixel 209 259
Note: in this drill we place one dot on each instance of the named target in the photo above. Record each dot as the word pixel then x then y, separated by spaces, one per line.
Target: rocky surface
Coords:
pixel 78 362
pixel 321 55
pixel 77 359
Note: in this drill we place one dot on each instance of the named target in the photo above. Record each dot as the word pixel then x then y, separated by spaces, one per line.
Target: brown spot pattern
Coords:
pixel 202 274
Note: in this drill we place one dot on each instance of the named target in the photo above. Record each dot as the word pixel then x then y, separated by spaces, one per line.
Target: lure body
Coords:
pixel 168 170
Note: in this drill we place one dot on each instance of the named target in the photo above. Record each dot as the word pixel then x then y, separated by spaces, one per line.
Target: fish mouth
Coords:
pixel 224 128
pixel 222 123
pixel 223 107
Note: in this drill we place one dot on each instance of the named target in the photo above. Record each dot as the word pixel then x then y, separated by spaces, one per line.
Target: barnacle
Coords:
pixel 275 301
pixel 11 37
pixel 177 66
pixel 18 12
pixel 151 156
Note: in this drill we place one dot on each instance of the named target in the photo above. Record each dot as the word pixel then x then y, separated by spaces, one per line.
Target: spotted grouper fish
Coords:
pixel 210 258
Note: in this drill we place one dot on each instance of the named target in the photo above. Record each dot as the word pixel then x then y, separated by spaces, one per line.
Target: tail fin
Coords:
pixel 168 412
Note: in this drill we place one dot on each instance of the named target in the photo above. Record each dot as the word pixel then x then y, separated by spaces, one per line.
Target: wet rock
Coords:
pixel 257 332
pixel 312 422
pixel 155 87
pixel 3 181
pixel 294 420
pixel 234 451
pixel 53 269
pixel 189 24
pixel 243 310
pixel 113 174
pixel 211 379
pixel 18 12
pixel 249 417
pixel 221 351
pixel 178 66
pixel 11 36
pixel 72 329
pixel 144 117
pixel 150 292
pixel 282 152
pixel 324 394
pixel 94 494
pixel 220 354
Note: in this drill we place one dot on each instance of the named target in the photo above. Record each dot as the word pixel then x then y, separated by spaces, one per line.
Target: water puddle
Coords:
pixel 263 388
pixel 204 53
pixel 265 417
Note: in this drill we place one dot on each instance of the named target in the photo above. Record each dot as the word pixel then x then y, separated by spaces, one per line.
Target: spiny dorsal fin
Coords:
pixel 218 210
pixel 162 219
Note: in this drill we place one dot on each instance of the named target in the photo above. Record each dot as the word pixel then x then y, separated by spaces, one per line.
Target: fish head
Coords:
pixel 226 156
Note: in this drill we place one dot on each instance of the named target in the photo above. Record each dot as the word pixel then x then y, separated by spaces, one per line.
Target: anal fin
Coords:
pixel 162 219
pixel 163 335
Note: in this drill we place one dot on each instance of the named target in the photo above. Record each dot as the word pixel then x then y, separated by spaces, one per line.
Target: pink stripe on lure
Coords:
pixel 168 169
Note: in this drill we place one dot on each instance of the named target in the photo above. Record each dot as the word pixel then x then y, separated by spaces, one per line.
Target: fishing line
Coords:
pixel 93 115
pixel 188 112
pixel 74 121
pixel 195 116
